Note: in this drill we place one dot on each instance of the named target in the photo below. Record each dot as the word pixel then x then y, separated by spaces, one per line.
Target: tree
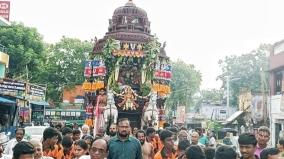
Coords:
pixel 245 72
pixel 185 83
pixel 26 50
pixel 65 65
pixel 211 96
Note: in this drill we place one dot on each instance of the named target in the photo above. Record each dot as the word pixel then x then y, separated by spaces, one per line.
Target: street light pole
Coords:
pixel 228 95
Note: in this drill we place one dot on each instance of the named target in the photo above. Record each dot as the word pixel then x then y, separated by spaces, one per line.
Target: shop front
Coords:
pixel 8 110
pixel 36 97
pixel 277 117
pixel 12 93
pixel 37 115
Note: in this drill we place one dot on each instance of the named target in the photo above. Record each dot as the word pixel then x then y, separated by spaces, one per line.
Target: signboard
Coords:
pixel 258 107
pixel 8 84
pixel 165 75
pixel 47 113
pixel 73 113
pixel 36 90
pixel 180 116
pixel 245 100
pixel 130 50
pixel 12 87
pixel 24 112
pixel 5 9
pixel 38 108
pixel 88 69
pixel 99 68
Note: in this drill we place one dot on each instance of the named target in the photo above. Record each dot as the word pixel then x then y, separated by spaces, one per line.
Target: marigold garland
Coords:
pixel 88 86
pixel 161 89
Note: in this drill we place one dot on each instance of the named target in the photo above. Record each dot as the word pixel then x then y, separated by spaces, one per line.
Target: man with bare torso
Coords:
pixel 147 148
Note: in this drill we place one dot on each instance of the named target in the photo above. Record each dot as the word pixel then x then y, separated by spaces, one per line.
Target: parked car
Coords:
pixel 34 132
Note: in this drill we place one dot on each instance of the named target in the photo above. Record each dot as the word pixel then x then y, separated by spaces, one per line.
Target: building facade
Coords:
pixel 276 101
pixel 216 112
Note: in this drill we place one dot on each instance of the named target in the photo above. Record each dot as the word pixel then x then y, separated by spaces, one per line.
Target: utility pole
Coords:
pixel 228 95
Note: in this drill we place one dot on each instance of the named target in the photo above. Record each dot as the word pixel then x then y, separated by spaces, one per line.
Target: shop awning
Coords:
pixel 39 102
pixel 7 101
pixel 234 117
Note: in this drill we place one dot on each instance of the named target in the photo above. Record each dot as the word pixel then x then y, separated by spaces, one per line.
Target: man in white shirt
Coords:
pixel 20 132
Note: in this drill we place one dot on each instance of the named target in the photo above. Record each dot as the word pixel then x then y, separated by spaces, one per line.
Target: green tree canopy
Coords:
pixel 212 96
pixel 65 65
pixel 25 48
pixel 245 72
pixel 185 83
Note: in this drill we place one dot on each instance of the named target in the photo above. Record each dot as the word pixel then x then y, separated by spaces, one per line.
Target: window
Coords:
pixel 278 83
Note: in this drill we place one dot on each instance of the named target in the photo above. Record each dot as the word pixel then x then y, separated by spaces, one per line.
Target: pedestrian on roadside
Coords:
pixel 168 151
pixel 174 130
pixel 262 137
pixel 280 147
pixel 67 144
pixel 76 134
pixel 124 146
pixel 247 143
pixel 203 139
pixel 195 152
pixel 194 138
pixel 150 137
pixel 99 149
pixel 59 147
pixel 85 130
pixel 3 156
pixel 147 148
pixel 182 146
pixel 89 140
pixel 49 143
pixel 112 130
pixel 38 150
pixel 227 139
pixel 269 153
pixel 182 135
pixel 209 152
pixel 20 132
pixel 134 131
pixel 225 152
pixel 66 131
pixel 81 149
pixel 212 140
pixel 23 150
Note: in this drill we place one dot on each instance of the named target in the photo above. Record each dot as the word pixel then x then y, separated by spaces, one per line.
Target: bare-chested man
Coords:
pixel 147 148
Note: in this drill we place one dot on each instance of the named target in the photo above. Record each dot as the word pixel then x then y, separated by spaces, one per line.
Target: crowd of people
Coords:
pixel 122 142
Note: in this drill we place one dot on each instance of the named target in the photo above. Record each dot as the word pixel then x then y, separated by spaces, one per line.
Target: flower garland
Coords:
pixel 93 86
pixel 162 89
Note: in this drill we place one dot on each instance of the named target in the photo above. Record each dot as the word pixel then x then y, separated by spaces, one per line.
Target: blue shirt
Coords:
pixel 203 140
pixel 128 149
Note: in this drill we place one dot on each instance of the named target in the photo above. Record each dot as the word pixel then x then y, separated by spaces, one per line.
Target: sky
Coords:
pixel 199 32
